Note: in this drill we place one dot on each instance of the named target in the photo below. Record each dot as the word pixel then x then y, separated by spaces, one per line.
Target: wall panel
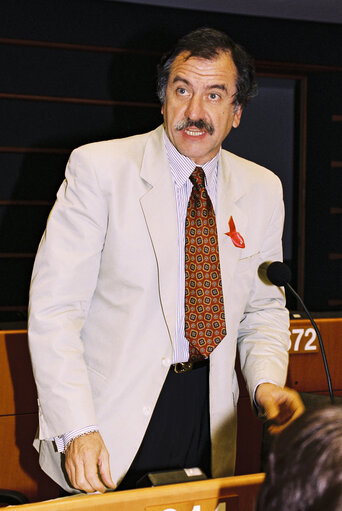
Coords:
pixel 78 71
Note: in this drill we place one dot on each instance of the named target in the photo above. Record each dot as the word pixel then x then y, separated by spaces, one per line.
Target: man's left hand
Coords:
pixel 281 405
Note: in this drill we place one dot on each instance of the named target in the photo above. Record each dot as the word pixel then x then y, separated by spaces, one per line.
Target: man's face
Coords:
pixel 200 91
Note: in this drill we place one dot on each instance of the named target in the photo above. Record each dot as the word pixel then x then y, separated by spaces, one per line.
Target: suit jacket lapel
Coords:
pixel 229 191
pixel 159 208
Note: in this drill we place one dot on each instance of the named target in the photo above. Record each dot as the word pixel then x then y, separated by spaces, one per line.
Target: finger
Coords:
pixel 104 470
pixel 70 470
pixel 81 482
pixel 292 408
pixel 93 480
pixel 292 404
pixel 286 412
pixel 83 473
pixel 73 470
pixel 91 471
pixel 271 409
pixel 275 429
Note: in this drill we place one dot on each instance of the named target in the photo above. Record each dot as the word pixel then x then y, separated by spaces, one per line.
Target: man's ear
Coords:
pixel 237 116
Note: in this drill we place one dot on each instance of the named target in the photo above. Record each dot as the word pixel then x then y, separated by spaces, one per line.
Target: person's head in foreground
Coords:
pixel 305 466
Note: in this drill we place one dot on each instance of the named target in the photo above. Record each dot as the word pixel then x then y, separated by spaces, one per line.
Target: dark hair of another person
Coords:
pixel 305 466
pixel 207 43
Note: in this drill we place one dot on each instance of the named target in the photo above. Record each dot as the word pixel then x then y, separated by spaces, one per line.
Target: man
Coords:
pixel 112 326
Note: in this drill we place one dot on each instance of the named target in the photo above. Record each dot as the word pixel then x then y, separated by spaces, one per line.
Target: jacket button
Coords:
pixel 166 362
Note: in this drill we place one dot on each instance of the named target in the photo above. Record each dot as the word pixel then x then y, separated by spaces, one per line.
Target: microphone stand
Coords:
pixel 288 286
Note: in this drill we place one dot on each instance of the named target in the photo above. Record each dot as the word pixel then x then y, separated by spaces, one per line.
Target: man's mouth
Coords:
pixel 200 127
pixel 193 133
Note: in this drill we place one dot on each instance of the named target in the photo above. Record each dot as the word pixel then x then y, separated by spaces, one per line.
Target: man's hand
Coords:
pixel 281 405
pixel 87 464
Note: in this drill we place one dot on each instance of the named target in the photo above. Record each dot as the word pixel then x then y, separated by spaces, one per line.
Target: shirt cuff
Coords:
pixel 62 441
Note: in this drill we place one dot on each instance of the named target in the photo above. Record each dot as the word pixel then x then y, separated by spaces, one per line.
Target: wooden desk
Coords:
pixel 19 467
pixel 226 494
pixel 305 374
pixel 306 370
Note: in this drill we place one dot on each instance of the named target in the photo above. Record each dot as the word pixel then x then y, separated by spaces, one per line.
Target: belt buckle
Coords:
pixel 183 367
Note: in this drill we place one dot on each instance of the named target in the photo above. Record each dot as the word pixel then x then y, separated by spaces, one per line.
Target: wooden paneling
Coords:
pixel 79 73
pixel 19 460
pixel 17 387
pixel 306 369
pixel 18 421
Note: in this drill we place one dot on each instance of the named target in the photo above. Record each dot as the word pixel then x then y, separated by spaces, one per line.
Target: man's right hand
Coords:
pixel 87 464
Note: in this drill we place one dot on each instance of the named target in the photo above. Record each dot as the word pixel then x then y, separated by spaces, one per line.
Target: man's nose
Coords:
pixel 195 108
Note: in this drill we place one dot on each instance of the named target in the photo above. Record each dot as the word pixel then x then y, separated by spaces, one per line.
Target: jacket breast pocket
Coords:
pixel 248 263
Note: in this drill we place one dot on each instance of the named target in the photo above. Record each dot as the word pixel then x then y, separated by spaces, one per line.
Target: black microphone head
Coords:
pixel 278 273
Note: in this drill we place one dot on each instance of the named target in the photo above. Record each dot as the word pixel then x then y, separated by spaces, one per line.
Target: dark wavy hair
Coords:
pixel 305 466
pixel 207 43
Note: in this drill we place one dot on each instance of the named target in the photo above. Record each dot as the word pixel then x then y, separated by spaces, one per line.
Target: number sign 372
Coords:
pixel 303 340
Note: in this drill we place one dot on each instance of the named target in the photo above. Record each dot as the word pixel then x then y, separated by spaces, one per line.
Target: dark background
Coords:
pixel 77 71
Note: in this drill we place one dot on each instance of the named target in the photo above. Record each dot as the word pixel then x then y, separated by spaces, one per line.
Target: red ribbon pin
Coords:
pixel 236 237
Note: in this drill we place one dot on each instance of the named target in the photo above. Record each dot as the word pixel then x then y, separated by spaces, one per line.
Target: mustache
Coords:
pixel 199 124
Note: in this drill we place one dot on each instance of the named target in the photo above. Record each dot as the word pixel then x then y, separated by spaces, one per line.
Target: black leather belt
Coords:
pixel 185 367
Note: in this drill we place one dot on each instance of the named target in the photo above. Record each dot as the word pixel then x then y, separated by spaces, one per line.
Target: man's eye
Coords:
pixel 181 91
pixel 214 96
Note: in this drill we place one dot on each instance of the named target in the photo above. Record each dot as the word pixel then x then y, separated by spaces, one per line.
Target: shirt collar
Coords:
pixel 182 167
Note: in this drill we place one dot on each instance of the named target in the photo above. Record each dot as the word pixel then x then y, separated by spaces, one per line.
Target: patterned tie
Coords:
pixel 205 324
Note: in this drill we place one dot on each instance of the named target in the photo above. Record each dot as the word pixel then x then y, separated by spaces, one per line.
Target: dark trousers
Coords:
pixel 178 435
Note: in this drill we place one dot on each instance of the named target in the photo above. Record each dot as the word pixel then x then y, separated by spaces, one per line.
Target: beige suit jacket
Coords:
pixel 103 297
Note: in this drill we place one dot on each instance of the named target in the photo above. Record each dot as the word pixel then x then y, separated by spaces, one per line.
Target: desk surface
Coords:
pixel 238 492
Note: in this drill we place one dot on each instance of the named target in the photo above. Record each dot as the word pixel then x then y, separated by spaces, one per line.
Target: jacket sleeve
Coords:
pixel 264 336
pixel 63 280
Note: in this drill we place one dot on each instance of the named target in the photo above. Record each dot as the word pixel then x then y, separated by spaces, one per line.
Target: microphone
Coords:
pixel 279 274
